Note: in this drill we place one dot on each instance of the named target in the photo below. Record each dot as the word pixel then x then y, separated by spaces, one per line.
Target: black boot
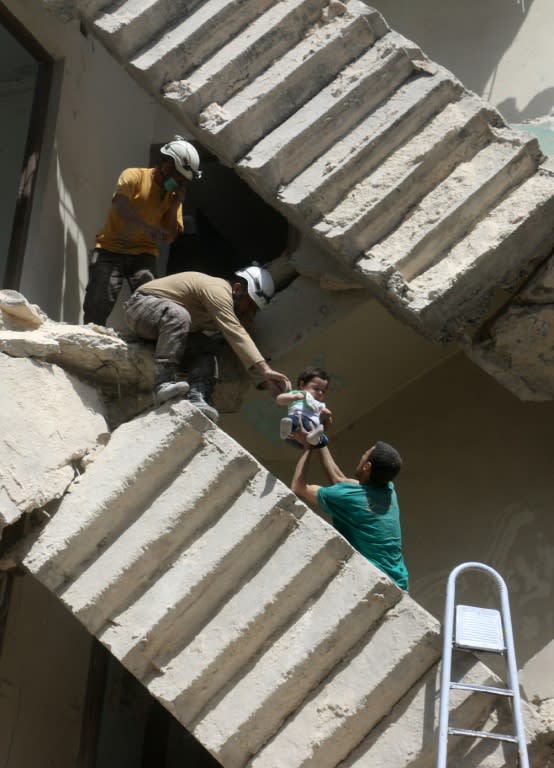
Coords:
pixel 202 378
pixel 166 386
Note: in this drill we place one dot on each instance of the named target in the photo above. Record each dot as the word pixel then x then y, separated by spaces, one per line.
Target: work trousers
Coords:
pixel 154 318
pixel 107 270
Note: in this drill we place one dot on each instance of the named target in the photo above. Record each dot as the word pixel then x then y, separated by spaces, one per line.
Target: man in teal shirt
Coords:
pixel 365 511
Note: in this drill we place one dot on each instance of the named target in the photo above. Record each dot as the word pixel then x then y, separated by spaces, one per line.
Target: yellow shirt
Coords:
pixel 209 300
pixel 150 201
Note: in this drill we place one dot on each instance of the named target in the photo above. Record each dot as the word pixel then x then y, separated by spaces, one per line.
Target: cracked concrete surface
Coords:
pixel 517 347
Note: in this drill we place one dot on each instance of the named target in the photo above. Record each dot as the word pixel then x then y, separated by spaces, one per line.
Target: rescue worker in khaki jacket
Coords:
pixel 168 309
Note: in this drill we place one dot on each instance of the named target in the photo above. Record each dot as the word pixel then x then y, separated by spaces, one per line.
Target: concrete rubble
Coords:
pixel 91 378
pixel 119 365
pixel 40 446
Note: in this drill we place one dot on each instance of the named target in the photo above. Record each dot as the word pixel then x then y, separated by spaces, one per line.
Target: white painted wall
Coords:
pixel 103 122
pixel 501 49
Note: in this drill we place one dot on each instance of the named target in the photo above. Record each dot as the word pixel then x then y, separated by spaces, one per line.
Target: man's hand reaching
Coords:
pixel 278 380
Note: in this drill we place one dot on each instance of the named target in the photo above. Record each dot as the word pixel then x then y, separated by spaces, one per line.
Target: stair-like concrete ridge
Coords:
pixel 251 619
pixel 350 131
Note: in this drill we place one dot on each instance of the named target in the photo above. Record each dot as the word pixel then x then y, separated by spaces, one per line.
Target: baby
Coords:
pixel 306 405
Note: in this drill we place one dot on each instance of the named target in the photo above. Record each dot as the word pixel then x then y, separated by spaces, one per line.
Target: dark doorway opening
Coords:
pixel 227 225
pixel 25 82
pixel 125 727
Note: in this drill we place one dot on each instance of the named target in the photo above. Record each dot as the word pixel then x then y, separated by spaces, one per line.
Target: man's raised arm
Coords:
pixel 333 472
pixel 299 483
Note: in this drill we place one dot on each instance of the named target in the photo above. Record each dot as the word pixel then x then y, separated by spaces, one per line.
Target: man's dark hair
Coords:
pixel 311 372
pixel 241 280
pixel 386 463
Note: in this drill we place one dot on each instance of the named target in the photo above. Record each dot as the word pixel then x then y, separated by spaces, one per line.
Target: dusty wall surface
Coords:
pixel 43 674
pixel 477 484
pixel 501 49
pixel 100 123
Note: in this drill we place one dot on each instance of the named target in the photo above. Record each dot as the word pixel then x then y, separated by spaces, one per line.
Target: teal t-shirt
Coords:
pixel 369 518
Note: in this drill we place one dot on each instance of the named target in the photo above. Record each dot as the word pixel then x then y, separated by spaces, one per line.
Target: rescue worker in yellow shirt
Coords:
pixel 145 209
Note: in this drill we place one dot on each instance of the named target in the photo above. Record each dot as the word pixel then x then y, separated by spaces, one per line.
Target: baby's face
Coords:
pixel 317 388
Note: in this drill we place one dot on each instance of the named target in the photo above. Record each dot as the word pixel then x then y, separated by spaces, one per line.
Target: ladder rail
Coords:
pixel 446 669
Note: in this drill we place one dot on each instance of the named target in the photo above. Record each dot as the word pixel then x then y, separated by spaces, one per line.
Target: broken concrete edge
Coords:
pixel 120 366
pixel 516 345
pixel 53 424
pixel 492 335
pixel 27 520
pixel 16 313
pixel 441 322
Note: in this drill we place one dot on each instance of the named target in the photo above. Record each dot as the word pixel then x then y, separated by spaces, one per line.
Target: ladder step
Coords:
pixel 482 734
pixel 482 688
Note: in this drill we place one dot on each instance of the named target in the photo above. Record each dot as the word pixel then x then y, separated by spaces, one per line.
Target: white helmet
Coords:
pixel 260 284
pixel 185 156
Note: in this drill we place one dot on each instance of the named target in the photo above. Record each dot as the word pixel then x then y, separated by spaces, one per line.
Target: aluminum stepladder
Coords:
pixel 479 629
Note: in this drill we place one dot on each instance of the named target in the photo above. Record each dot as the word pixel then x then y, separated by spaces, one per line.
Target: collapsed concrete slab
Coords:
pixel 50 421
pixel 92 352
pixel 247 616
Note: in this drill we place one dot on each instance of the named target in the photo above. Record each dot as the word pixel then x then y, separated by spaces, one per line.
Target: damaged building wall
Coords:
pixel 100 122
pixel 501 49
pixel 444 413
